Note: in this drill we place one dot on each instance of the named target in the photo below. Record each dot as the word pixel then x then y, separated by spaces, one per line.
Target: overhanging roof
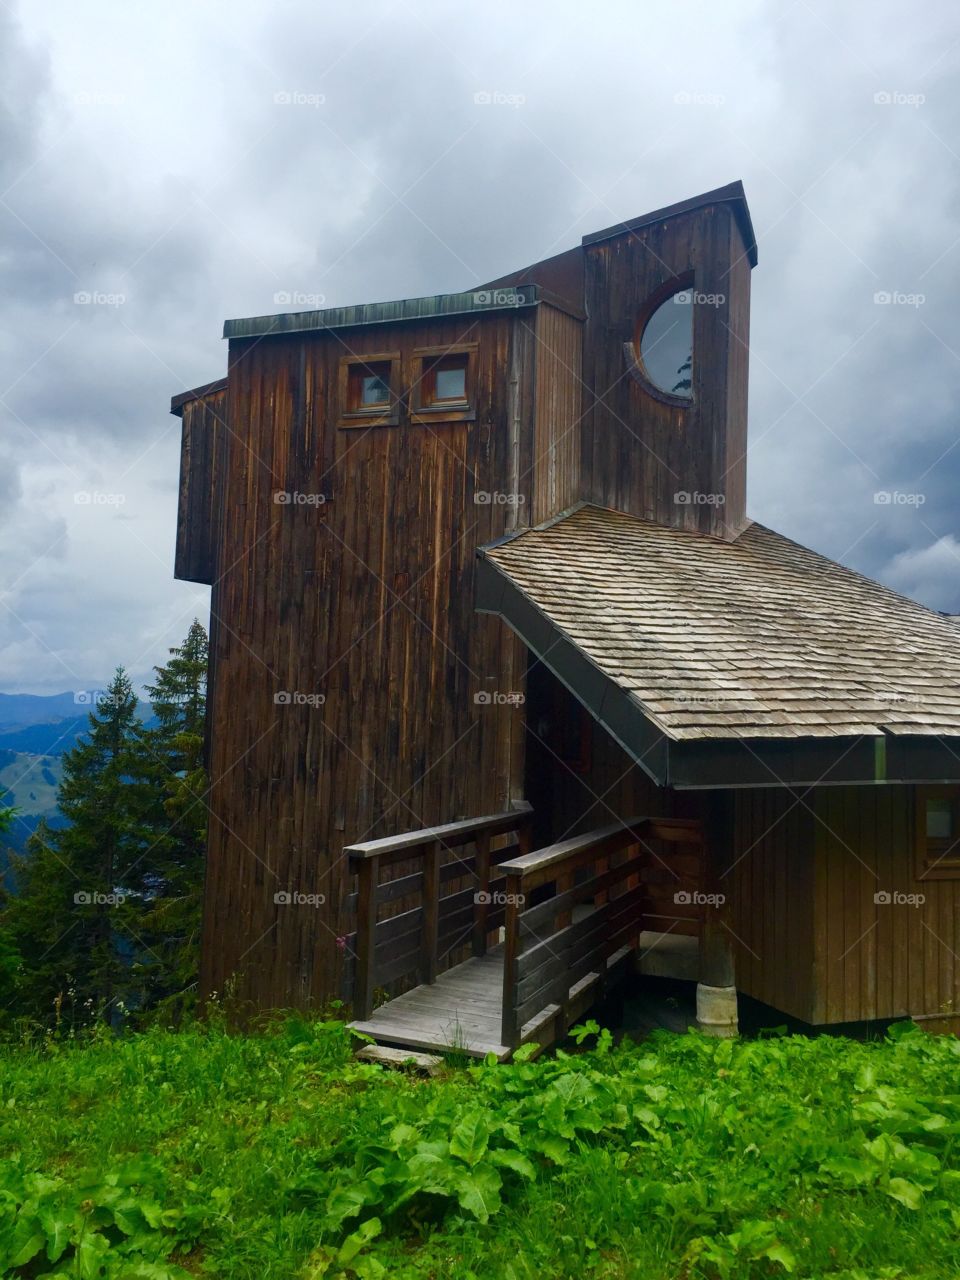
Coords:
pixel 753 662
pixel 478 300
pixel 732 194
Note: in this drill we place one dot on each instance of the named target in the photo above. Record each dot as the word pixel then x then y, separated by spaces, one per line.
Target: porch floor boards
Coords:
pixel 461 1010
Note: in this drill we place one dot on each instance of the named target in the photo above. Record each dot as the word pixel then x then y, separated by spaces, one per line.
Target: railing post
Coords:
pixel 430 934
pixel 509 1030
pixel 481 901
pixel 525 836
pixel 368 875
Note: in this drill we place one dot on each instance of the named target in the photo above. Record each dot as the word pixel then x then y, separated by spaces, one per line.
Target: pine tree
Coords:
pixel 10 960
pixel 73 917
pixel 171 876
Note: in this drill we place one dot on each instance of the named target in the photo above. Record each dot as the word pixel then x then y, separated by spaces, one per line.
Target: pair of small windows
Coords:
pixel 440 385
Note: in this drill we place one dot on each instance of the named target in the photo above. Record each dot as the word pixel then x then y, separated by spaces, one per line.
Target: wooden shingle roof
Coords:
pixel 759 638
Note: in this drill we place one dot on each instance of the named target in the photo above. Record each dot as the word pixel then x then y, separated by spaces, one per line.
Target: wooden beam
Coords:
pixel 368 875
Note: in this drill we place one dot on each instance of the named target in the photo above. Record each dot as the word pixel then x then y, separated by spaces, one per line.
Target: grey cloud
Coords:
pixel 200 196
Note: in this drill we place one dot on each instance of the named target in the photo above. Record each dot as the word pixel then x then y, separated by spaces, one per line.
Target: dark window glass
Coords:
pixel 666 345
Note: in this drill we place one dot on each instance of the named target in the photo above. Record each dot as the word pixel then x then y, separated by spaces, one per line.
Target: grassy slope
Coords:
pixel 259 1156
pixel 26 787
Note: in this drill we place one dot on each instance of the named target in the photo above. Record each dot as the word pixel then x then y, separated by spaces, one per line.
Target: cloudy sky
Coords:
pixel 182 163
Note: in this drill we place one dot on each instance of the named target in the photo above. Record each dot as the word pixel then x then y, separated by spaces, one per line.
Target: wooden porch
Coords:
pixel 550 932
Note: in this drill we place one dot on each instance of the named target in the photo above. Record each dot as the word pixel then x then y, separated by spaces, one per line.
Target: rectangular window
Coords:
pixel 444 384
pixel 369 390
pixel 938 833
pixel 369 387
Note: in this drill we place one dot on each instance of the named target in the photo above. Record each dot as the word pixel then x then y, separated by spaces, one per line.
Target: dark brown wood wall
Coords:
pixel 879 960
pixel 558 398
pixel 571 796
pixel 365 600
pixel 770 888
pixel 203 434
pixel 638 452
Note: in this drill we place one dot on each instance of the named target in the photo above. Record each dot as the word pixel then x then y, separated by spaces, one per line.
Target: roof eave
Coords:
pixel 709 763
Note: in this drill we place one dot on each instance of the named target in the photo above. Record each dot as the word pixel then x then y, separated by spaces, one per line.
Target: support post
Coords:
pixel 716 990
pixel 368 877
pixel 431 914
pixel 509 1031
pixel 481 902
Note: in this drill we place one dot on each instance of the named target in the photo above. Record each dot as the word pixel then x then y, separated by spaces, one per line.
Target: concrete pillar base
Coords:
pixel 717 1011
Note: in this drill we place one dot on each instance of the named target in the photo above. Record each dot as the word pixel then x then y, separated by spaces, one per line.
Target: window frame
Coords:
pixel 360 417
pixel 426 359
pixel 931 860
pixel 632 350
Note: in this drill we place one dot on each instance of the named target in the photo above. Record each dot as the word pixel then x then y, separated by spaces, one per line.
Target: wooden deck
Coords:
pixel 461 1010
pixel 553 931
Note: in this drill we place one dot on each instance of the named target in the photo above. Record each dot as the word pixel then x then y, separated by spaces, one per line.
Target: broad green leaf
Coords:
pixel 369 1269
pixel 27 1247
pixel 89 1255
pixel 58 1228
pixel 780 1253
pixel 347 1202
pixel 366 1232
pixel 908 1193
pixel 479 1192
pixel 514 1160
pixel 469 1140
pixel 401 1134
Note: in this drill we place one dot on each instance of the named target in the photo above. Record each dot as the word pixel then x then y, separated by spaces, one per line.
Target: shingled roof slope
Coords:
pixel 756 638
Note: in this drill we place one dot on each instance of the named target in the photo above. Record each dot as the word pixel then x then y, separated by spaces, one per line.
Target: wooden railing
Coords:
pixel 573 914
pixel 419 941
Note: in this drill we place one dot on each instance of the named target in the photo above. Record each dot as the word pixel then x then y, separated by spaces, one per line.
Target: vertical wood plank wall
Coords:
pixel 770 889
pixel 638 451
pixel 879 960
pixel 365 601
pixel 558 396
pixel 569 799
pixel 201 480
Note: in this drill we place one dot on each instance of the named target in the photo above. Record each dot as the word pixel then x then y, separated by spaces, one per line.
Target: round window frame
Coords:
pixel 635 366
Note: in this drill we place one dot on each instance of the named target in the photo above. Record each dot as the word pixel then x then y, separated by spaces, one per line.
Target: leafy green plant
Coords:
pixel 109 1226
pixel 281 1155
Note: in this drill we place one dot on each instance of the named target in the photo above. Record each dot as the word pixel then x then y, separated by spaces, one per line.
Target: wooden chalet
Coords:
pixel 509 698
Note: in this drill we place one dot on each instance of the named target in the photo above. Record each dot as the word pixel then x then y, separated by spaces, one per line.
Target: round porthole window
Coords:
pixel 666 346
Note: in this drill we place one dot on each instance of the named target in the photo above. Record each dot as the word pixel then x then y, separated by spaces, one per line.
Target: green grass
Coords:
pixel 278 1155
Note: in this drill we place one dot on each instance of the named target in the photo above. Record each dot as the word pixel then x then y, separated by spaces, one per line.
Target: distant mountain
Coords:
pixel 36 730
pixel 18 709
pixel 48 724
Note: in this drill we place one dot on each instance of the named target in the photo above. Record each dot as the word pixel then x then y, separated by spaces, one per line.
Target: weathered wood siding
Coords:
pixel 770 889
pixel 879 959
pixel 201 465
pixel 606 785
pixel 639 452
pixel 364 601
pixel 558 398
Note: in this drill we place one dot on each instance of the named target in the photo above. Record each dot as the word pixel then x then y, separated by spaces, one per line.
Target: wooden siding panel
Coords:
pixel 203 433
pixel 366 601
pixel 557 413
pixel 896 958
pixel 638 451
pixel 771 891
